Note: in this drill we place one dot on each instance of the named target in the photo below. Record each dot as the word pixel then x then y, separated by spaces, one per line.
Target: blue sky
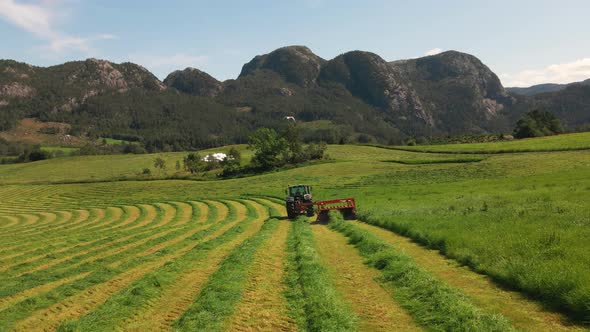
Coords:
pixel 524 42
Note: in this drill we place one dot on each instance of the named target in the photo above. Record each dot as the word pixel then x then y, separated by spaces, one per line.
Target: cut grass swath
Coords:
pixel 121 305
pixel 432 304
pixel 216 302
pixel 313 301
pixel 94 287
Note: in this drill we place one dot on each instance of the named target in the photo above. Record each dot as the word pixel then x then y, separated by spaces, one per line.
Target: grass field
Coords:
pixel 444 242
pixel 578 141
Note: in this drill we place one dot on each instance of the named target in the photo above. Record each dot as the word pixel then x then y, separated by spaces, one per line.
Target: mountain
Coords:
pixel 40 92
pixel 571 105
pixel 458 91
pixel 194 82
pixel 355 97
pixel 542 88
pixel 295 64
pixel 370 78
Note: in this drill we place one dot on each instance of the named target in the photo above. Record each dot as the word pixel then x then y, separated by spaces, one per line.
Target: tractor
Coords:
pixel 300 201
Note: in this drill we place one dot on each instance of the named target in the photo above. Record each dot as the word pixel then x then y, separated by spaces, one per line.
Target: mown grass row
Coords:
pixel 79 254
pixel 103 239
pixel 433 304
pixel 100 272
pixel 81 234
pixel 313 302
pixel 27 244
pixel 217 301
pixel 132 298
pixel 92 220
pixel 458 160
pixel 12 285
pixel 538 263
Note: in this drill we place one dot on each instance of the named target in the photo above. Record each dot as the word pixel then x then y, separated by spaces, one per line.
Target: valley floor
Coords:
pixel 496 244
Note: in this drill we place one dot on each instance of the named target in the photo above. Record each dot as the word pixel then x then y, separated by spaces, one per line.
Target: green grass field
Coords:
pixel 445 241
pixel 578 141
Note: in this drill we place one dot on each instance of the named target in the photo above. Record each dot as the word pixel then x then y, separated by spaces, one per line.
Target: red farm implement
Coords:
pixel 300 202
pixel 347 206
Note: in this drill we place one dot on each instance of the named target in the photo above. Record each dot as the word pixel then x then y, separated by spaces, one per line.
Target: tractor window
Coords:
pixel 297 191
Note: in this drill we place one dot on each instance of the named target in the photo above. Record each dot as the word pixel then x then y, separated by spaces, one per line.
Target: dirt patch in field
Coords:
pixel 263 307
pixel 31 130
pixel 374 306
pixel 523 313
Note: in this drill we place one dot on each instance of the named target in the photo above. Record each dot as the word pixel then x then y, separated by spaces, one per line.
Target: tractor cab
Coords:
pixel 299 190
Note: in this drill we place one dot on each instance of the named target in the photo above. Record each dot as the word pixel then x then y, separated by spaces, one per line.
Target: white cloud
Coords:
pixel 65 43
pixel 433 51
pixel 574 71
pixel 33 18
pixel 40 19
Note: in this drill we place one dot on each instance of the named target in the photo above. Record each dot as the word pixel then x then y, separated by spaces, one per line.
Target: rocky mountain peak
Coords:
pixel 371 78
pixel 194 81
pixel 296 64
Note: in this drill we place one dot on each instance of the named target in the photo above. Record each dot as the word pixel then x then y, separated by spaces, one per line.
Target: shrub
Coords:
pixel 537 124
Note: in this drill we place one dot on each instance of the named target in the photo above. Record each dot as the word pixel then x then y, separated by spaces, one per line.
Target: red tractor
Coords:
pixel 300 201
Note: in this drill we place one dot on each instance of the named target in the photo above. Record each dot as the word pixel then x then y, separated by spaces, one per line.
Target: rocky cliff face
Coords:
pixel 457 89
pixel 68 85
pixel 369 77
pixel 194 82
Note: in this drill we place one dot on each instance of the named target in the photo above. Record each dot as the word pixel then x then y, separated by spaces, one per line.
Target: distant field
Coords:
pixel 113 141
pixel 66 151
pixel 509 231
pixel 578 141
pixel 98 168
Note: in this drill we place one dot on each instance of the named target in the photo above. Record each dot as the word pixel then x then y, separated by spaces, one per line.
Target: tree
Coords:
pixel 231 163
pixel 270 149
pixel 160 163
pixel 193 163
pixel 538 123
pixel 292 136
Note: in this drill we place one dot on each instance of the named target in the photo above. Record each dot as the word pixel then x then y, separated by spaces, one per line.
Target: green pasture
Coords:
pixel 102 167
pixel 522 218
pixel 577 141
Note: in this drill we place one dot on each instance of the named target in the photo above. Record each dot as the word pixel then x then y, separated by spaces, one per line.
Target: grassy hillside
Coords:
pixel 518 219
pixel 578 141
pixel 100 168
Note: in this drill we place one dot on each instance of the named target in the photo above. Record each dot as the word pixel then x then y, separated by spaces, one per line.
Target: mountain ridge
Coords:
pixel 362 96
pixel 544 87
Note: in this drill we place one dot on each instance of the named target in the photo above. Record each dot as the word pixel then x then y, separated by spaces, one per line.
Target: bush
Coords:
pixel 537 124
pixel 270 149
pixel 193 163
